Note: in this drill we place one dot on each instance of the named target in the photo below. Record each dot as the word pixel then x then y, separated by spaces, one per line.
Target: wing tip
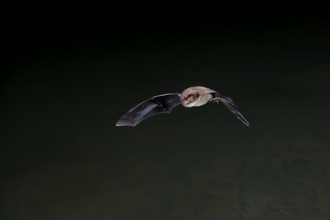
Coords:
pixel 245 122
pixel 119 124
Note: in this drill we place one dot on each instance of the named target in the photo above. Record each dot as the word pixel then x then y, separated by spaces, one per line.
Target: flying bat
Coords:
pixel 191 97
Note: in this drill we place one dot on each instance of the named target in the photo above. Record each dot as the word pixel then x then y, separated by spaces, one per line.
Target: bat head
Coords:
pixel 190 100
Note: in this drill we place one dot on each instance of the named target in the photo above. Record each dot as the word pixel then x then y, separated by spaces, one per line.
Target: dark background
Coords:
pixel 64 86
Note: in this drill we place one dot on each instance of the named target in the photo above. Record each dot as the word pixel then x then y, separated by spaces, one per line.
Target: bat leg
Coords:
pixel 215 100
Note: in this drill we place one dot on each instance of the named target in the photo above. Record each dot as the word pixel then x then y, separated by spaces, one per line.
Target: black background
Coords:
pixel 65 84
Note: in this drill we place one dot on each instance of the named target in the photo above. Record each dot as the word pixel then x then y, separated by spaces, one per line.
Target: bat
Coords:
pixel 191 97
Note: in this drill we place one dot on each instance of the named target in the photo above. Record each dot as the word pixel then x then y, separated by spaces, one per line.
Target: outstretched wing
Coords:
pixel 230 104
pixel 155 105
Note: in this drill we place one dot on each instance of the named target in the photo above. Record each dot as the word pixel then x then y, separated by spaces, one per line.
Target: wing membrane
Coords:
pixel 155 105
pixel 230 104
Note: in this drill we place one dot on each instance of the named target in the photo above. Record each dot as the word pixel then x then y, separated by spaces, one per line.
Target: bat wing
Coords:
pixel 155 105
pixel 229 103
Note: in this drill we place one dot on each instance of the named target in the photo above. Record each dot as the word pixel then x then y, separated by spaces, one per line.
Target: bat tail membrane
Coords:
pixel 155 105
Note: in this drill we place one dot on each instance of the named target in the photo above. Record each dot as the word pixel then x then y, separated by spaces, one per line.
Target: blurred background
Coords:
pixel 64 86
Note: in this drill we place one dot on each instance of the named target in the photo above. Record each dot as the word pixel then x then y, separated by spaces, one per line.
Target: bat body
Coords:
pixel 191 97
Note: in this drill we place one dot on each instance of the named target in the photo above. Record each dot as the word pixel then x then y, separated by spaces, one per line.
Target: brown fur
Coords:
pixel 195 96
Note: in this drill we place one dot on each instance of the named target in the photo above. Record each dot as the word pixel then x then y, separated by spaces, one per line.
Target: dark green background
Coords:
pixel 62 157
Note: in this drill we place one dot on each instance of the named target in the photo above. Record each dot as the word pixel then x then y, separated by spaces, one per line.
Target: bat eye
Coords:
pixel 189 95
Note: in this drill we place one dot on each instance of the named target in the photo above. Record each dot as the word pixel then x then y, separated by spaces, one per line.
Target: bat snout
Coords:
pixel 185 102
pixel 188 103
